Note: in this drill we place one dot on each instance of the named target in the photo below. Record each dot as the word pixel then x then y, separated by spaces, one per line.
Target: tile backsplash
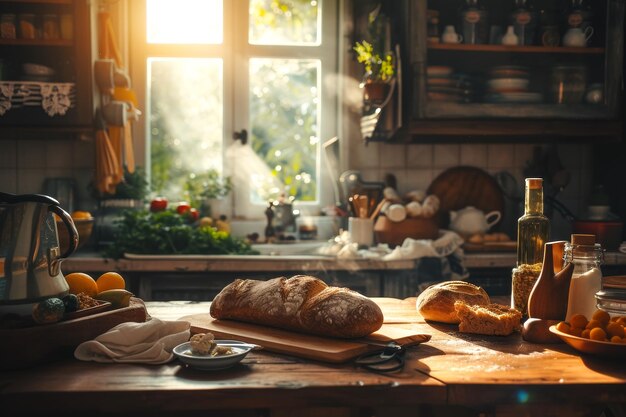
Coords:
pixel 25 164
pixel 416 165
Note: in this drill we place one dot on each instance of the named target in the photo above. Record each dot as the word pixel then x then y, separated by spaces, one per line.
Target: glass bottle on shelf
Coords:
pixel 524 21
pixel 474 25
pixel 586 255
pixel 532 233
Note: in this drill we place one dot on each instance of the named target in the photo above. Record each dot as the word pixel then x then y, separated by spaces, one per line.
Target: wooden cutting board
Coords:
pixel 301 345
pixel 464 186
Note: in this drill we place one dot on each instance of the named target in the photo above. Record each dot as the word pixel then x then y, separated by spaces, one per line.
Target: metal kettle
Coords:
pixel 30 256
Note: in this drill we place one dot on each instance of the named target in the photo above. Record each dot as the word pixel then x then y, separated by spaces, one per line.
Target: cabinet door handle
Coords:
pixel 242 135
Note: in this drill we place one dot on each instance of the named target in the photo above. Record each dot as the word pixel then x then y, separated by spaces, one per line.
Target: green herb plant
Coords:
pixel 377 67
pixel 207 185
pixel 167 232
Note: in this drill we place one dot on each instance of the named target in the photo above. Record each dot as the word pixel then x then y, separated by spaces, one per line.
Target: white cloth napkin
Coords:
pixel 447 243
pixel 151 342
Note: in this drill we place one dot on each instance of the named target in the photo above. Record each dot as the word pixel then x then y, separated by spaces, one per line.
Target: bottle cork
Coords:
pixel 534 183
pixel 581 239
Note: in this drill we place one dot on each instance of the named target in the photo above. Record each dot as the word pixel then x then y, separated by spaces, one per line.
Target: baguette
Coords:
pixel 300 303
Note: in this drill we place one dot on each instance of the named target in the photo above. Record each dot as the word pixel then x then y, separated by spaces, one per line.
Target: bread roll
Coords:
pixel 300 303
pixel 436 303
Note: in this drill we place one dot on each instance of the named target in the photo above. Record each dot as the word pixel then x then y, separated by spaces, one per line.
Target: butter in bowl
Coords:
pixel 205 353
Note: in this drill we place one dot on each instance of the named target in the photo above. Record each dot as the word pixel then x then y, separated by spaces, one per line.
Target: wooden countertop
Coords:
pixel 494 375
pixel 91 261
pixel 226 263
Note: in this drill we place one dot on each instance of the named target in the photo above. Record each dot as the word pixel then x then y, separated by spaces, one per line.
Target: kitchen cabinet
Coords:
pixel 45 65
pixel 555 85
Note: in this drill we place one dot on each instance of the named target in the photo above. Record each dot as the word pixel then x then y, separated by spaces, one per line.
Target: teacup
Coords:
pixel 450 36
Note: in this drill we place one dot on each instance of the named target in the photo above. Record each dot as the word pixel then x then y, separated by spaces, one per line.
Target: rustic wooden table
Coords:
pixel 454 374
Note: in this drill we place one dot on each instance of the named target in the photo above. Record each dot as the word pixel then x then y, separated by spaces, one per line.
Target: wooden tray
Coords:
pixel 29 346
pixel 319 348
pixel 392 233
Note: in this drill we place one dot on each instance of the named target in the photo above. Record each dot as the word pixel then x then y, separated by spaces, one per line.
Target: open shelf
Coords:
pixel 37 42
pixel 515 49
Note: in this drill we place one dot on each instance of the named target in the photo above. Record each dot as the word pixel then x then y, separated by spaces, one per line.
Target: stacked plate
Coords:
pixel 444 85
pixel 510 84
pixel 612 297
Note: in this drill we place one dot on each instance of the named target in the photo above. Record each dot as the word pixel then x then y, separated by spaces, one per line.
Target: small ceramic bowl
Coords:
pixel 37 69
pixel 214 363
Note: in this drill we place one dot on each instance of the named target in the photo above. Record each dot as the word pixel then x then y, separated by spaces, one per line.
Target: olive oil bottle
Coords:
pixel 533 227
pixel 532 233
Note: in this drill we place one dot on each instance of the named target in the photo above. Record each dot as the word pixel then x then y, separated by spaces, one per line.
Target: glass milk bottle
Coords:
pixel 532 234
pixel 586 255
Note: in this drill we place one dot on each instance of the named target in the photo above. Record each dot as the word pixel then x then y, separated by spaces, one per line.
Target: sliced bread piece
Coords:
pixel 490 319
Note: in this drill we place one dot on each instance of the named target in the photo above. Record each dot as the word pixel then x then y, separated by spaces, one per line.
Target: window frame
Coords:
pixel 235 51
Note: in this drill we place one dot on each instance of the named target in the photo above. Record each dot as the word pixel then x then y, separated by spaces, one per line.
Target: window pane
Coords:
pixel 285 22
pixel 185 121
pixel 185 21
pixel 284 113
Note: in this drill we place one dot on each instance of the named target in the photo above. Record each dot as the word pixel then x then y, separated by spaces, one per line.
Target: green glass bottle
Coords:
pixel 532 233
pixel 533 228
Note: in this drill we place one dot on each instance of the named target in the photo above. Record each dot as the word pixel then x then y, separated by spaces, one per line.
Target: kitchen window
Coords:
pixel 259 69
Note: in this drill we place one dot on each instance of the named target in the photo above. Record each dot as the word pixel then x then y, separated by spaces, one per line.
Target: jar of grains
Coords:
pixel 523 280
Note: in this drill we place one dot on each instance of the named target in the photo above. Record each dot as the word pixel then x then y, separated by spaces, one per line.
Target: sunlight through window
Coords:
pixel 185 21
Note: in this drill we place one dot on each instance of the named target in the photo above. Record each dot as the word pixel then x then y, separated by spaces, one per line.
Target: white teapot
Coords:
pixel 577 37
pixel 470 220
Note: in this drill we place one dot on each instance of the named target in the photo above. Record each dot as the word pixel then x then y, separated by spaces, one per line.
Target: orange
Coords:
pixel 110 281
pixel 80 282
pixel 602 316
pixel 578 320
pixel 81 215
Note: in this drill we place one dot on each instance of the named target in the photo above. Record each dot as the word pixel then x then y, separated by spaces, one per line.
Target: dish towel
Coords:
pixel 151 342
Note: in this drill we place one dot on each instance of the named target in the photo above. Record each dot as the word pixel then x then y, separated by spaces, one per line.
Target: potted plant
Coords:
pixel 207 191
pixel 379 70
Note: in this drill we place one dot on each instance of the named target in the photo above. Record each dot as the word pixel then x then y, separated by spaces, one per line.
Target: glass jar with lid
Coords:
pixel 27 26
pixel 50 27
pixel 568 83
pixel 587 256
pixel 8 26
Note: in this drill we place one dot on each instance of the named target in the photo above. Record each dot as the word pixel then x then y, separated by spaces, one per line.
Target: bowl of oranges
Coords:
pixel 602 334
pixel 83 220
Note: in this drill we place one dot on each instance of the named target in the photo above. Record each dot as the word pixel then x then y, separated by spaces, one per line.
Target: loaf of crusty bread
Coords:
pixel 436 303
pixel 490 319
pixel 300 303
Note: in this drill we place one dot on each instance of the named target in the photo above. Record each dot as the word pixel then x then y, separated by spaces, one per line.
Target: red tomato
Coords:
pixel 183 207
pixel 158 204
pixel 193 214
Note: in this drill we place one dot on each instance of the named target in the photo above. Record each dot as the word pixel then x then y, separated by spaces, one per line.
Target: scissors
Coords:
pixel 390 359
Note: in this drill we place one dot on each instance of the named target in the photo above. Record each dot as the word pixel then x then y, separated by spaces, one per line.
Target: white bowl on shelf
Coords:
pixel 508 83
